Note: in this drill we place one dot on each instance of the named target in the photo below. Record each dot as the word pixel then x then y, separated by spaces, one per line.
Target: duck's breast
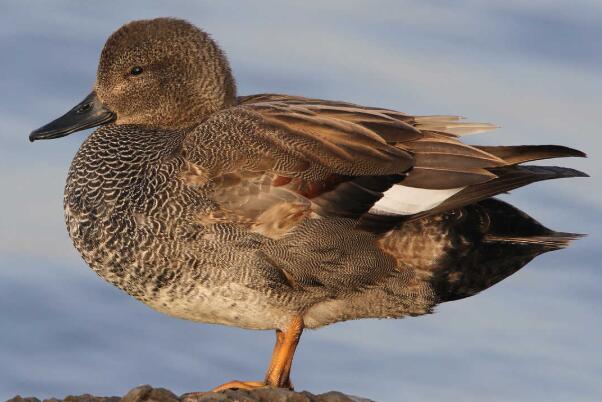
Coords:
pixel 119 178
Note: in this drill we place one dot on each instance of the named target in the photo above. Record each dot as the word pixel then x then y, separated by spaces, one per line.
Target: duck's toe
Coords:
pixel 194 396
pixel 240 385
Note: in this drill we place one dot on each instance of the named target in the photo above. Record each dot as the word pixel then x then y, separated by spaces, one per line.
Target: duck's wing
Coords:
pixel 440 159
pixel 278 158
pixel 325 179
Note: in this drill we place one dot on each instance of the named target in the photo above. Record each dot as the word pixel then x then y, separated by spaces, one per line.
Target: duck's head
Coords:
pixel 162 73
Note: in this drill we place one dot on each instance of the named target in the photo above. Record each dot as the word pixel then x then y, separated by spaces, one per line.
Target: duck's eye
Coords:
pixel 136 70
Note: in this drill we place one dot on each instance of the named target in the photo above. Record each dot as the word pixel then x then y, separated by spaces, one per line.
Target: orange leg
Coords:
pixel 278 374
pixel 275 352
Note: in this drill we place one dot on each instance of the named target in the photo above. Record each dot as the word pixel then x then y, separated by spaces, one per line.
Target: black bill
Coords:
pixel 88 113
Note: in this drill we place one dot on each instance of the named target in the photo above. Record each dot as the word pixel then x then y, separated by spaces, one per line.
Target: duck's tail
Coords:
pixel 498 240
pixel 467 250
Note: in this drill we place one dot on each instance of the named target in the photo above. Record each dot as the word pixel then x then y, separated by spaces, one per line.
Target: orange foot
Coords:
pixel 240 385
pixel 193 396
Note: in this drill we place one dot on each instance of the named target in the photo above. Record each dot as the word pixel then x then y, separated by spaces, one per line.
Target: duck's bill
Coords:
pixel 87 114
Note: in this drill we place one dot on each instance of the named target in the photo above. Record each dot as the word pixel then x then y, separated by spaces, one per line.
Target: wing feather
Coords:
pixel 284 157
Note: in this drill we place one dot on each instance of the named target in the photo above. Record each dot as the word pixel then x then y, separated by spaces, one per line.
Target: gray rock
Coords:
pixel 70 398
pixel 19 398
pixel 146 393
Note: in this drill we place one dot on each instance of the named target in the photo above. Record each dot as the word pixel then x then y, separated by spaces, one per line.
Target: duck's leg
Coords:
pixel 257 384
pixel 278 374
pixel 275 353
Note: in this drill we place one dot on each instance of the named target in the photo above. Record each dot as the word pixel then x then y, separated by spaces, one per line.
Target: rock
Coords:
pixel 70 398
pixel 19 398
pixel 146 393
pixel 85 398
pixel 273 395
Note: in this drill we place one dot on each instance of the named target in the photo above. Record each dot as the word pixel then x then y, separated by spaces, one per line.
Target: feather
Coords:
pixel 402 200
pixel 509 178
pixel 451 125
pixel 444 178
pixel 513 155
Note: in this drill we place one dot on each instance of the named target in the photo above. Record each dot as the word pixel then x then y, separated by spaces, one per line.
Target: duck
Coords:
pixel 280 212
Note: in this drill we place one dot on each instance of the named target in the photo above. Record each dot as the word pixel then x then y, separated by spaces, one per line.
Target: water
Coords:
pixel 532 68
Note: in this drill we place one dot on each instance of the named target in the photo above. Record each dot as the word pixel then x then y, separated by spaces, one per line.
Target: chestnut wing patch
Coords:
pixel 272 204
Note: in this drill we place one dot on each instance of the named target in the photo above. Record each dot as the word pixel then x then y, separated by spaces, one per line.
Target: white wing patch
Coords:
pixel 402 200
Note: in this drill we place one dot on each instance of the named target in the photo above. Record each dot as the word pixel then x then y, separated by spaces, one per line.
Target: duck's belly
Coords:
pixel 180 278
pixel 229 304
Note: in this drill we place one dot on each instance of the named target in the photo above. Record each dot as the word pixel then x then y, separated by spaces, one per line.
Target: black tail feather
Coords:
pixel 507 239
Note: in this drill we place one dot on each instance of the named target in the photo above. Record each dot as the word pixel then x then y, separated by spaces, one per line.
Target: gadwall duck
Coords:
pixel 280 212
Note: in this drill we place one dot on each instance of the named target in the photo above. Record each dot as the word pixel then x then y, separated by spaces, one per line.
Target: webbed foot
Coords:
pixel 193 396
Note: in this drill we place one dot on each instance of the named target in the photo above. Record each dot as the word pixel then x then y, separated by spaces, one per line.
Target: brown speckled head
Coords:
pixel 163 73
